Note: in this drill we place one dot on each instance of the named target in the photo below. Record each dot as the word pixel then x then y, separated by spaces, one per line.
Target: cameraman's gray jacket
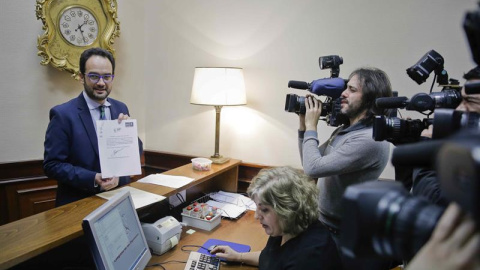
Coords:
pixel 349 157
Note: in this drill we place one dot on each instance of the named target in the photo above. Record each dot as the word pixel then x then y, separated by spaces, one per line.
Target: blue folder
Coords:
pixel 235 246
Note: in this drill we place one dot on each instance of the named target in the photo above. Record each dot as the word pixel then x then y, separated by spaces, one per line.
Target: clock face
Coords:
pixel 78 26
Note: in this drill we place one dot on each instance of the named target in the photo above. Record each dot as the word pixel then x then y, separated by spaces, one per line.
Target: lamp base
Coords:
pixel 219 160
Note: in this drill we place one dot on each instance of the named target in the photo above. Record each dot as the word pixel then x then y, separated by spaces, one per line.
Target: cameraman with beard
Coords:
pixel 350 155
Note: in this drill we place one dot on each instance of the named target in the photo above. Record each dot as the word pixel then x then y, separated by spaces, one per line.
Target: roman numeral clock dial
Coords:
pixel 72 26
pixel 78 26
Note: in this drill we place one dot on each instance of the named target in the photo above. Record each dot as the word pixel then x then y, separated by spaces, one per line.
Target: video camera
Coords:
pixel 471 25
pixel 385 220
pixel 399 131
pixel 331 87
pixel 447 122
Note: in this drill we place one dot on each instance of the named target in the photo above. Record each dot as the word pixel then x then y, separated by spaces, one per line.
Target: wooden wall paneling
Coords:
pixel 3 205
pixel 221 182
pixel 14 170
pixel 165 161
pixel 25 190
pixel 246 173
pixel 29 196
pixel 36 200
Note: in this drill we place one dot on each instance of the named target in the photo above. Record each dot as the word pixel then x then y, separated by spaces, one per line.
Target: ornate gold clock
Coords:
pixel 71 26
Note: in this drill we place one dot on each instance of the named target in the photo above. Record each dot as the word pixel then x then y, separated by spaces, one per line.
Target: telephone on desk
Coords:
pixel 163 234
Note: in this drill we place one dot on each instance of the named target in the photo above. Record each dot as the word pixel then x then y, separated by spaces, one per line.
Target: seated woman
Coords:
pixel 287 209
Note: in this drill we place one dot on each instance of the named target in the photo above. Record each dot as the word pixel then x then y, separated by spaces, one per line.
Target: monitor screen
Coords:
pixel 115 235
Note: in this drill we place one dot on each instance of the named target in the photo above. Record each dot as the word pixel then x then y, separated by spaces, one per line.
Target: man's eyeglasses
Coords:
pixel 95 78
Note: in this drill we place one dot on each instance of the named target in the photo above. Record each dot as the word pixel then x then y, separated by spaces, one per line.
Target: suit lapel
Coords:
pixel 86 118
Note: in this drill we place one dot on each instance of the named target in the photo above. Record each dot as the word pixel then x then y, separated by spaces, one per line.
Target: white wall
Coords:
pixel 274 41
pixel 29 90
pixel 277 41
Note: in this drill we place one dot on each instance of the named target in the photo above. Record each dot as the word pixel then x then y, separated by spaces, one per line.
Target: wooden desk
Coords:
pixel 245 230
pixel 26 238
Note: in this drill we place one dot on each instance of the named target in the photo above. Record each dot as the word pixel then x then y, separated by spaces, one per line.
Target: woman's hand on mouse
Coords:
pixel 227 253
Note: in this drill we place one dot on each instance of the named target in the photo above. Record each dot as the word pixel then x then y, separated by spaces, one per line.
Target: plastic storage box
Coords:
pixel 202 223
pixel 201 164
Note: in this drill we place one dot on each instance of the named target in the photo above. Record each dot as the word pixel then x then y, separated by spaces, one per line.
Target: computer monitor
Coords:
pixel 115 235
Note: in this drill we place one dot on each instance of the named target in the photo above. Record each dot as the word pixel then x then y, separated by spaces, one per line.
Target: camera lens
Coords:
pixel 447 99
pixel 446 122
pixel 294 103
pixel 397 130
pixel 384 220
pixel 406 224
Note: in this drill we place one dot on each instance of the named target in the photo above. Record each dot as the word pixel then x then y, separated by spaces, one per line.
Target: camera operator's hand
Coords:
pixel 313 111
pixel 454 244
pixel 427 132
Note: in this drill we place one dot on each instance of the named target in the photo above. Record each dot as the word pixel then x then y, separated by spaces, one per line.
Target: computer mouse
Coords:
pixel 210 248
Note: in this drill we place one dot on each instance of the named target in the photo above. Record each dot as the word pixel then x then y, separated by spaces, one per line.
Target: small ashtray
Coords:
pixel 201 164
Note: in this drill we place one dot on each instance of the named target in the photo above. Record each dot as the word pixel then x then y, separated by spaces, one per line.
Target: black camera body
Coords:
pixel 431 61
pixel 331 87
pixel 330 110
pixel 397 130
pixel 471 25
pixel 447 122
pixel 385 220
pixel 449 97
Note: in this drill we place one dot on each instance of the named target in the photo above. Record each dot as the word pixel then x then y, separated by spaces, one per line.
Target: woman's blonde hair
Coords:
pixel 291 194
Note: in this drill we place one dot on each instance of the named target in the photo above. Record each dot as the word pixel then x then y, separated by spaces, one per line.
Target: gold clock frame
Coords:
pixel 54 50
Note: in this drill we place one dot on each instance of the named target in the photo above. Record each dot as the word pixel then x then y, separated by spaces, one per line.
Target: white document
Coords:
pixel 172 181
pixel 118 148
pixel 234 198
pixel 228 210
pixel 140 198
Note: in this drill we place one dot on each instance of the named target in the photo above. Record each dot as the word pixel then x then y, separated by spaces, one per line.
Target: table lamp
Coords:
pixel 218 87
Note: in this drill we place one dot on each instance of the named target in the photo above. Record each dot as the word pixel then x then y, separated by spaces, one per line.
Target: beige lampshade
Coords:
pixel 218 86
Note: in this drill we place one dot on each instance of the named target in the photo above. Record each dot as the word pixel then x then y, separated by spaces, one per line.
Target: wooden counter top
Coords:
pixel 26 238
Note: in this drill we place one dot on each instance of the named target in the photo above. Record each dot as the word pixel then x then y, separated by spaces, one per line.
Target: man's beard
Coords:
pixel 93 95
pixel 354 111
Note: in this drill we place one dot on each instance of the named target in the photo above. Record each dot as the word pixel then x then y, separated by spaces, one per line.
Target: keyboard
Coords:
pixel 201 261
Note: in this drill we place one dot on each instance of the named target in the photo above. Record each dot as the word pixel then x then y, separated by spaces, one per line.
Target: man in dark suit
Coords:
pixel 71 148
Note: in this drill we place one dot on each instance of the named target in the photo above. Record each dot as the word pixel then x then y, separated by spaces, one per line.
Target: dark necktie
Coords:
pixel 102 112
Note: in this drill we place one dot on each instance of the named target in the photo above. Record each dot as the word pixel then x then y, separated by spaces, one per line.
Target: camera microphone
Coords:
pixel 332 87
pixel 391 102
pixel 421 102
pixel 298 85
